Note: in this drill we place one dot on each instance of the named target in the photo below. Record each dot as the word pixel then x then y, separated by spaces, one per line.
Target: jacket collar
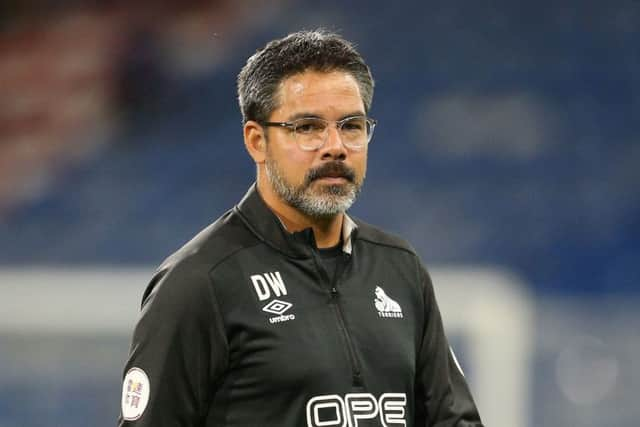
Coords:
pixel 266 225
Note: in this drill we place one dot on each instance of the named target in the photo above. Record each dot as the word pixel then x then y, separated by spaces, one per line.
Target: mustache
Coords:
pixel 331 170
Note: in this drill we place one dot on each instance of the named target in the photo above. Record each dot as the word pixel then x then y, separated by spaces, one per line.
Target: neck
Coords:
pixel 326 231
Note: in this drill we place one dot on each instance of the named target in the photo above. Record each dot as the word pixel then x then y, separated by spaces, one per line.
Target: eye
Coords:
pixel 356 124
pixel 309 126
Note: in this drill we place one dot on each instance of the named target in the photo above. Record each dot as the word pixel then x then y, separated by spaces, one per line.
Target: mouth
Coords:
pixel 333 179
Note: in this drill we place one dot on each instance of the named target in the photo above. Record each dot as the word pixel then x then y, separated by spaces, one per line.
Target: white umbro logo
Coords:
pixel 385 305
pixel 277 307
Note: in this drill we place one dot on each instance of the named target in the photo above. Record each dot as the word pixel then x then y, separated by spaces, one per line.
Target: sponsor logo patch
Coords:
pixel 386 306
pixel 135 394
pixel 332 410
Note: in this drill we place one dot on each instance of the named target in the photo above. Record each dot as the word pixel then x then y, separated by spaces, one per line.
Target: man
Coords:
pixel 286 311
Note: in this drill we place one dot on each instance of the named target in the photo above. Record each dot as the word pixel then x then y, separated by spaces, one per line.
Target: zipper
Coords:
pixel 356 372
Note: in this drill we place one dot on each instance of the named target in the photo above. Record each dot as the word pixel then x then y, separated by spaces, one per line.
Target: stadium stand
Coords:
pixel 524 148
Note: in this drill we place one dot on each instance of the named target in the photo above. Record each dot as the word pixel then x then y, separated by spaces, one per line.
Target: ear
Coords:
pixel 255 141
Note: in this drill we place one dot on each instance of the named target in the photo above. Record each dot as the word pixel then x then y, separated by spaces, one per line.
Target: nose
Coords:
pixel 333 147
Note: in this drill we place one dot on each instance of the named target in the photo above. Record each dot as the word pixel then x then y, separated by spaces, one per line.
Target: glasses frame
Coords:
pixel 291 125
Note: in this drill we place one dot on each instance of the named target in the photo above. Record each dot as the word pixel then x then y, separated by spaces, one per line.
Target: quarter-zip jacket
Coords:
pixel 242 327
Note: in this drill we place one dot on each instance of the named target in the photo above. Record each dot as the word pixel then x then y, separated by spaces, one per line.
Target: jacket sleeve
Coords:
pixel 440 383
pixel 178 352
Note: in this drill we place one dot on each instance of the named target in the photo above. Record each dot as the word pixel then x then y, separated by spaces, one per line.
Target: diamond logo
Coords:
pixel 277 307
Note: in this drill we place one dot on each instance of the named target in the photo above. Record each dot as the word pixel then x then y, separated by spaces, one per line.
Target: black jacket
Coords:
pixel 244 327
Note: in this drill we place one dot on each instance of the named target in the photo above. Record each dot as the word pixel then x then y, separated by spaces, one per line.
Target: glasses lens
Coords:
pixel 357 131
pixel 310 133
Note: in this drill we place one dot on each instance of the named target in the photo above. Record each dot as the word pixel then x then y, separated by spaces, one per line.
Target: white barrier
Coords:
pixel 71 300
pixel 494 315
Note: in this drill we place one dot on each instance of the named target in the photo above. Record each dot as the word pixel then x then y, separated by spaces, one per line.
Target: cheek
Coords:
pixel 360 163
pixel 295 164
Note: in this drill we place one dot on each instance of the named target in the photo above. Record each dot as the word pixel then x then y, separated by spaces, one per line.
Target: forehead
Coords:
pixel 319 93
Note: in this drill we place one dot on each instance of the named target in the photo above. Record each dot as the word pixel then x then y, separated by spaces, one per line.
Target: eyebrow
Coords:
pixel 308 115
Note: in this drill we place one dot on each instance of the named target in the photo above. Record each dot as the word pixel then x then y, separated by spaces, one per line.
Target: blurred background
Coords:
pixel 507 152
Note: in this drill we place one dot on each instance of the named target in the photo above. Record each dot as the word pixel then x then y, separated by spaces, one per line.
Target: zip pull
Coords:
pixel 357 380
pixel 334 292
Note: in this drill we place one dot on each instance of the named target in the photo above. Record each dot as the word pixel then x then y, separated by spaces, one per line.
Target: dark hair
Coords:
pixel 318 50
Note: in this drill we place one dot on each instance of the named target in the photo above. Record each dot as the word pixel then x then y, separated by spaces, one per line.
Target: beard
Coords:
pixel 316 201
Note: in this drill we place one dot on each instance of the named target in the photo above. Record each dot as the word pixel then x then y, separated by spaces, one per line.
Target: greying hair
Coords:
pixel 318 50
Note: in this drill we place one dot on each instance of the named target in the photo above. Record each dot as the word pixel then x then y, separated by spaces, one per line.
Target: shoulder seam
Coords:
pixel 388 245
pixel 230 254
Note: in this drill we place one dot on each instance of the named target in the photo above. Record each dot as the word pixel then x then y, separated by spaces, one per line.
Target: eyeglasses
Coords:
pixel 311 133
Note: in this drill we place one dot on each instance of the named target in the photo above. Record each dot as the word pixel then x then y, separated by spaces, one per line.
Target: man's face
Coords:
pixel 324 182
